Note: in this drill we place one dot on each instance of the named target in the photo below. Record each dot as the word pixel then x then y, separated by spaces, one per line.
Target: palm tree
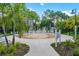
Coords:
pixel 16 14
pixel 17 17
pixel 3 9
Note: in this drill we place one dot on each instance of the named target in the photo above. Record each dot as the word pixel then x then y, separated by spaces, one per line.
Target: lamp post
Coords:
pixel 55 32
pixel 74 12
pixel 75 25
pixel 75 16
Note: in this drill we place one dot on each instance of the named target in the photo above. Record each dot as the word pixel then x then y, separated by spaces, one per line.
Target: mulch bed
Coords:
pixel 22 50
pixel 62 50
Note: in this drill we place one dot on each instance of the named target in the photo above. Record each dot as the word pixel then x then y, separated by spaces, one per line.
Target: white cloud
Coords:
pixel 31 9
pixel 41 4
pixel 68 12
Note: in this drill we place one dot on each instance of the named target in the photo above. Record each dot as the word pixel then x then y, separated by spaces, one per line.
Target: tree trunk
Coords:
pixel 3 26
pixel 59 36
pixel 13 41
pixel 56 37
pixel 7 43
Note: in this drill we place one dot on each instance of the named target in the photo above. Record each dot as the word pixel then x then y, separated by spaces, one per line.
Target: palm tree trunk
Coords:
pixel 13 28
pixel 13 41
pixel 3 27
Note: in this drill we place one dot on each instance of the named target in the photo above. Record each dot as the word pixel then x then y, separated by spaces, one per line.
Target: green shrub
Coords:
pixel 9 51
pixel 77 42
pixel 62 43
pixel 77 36
pixel 17 44
pixel 68 44
pixel 8 34
pixel 76 52
pixel 2 49
pixel 20 34
pixel 12 50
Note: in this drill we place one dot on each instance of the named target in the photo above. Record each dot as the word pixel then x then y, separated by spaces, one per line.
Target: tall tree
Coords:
pixel 17 11
pixel 3 10
pixel 33 18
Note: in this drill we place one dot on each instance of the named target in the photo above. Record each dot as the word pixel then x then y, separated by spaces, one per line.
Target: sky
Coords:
pixel 41 7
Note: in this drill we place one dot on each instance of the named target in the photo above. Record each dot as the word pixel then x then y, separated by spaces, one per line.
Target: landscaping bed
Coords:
pixel 19 49
pixel 22 50
pixel 67 48
pixel 62 50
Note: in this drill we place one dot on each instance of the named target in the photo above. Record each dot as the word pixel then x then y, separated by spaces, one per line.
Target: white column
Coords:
pixel 59 36
pixel 67 36
pixel 75 31
pixel 55 37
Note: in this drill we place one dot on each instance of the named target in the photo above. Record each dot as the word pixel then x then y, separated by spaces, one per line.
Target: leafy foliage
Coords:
pixel 68 44
pixel 69 24
pixel 60 25
pixel 17 44
pixel 49 17
pixel 76 52
pixel 2 49
pixel 11 50
pixel 7 51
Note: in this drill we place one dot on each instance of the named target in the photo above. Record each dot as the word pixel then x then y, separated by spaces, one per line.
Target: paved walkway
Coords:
pixel 40 47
